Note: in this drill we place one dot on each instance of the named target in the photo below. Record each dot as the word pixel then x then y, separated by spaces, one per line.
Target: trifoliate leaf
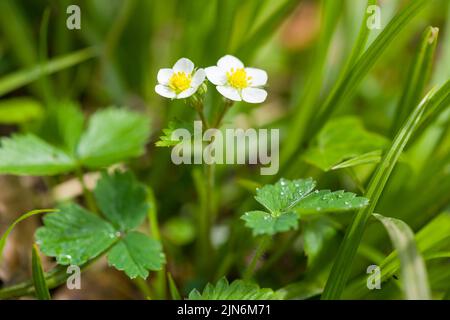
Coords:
pixel 326 201
pixel 237 290
pixel 30 155
pixel 341 139
pixel 284 194
pixel 122 199
pixel 113 135
pixel 136 254
pixel 262 222
pixel 166 140
pixel 74 235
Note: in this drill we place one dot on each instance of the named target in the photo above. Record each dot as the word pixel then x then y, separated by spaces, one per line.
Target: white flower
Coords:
pixel 181 81
pixel 235 82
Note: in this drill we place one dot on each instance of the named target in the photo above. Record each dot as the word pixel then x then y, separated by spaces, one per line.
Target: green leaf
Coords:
pixel 74 235
pixel 342 139
pixel 347 251
pixel 113 135
pixel 135 254
pixel 11 227
pixel 262 222
pixel 30 155
pixel 63 126
pixel 122 199
pixel 365 158
pixel 284 194
pixel 20 78
pixel 326 201
pixel 414 274
pixel 166 140
pixel 19 110
pixel 40 284
pixel 237 290
pixel 315 236
pixel 430 240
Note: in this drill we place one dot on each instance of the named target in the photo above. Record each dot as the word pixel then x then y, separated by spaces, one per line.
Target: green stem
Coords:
pixel 160 286
pixel 280 252
pixel 264 242
pixel 88 197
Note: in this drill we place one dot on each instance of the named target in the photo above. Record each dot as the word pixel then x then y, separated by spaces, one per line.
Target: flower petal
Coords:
pixel 184 65
pixel 227 62
pixel 216 75
pixel 186 93
pixel 164 91
pixel 229 93
pixel 164 75
pixel 254 95
pixel 198 78
pixel 259 77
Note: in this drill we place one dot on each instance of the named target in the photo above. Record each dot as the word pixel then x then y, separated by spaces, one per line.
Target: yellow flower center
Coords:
pixel 180 81
pixel 238 78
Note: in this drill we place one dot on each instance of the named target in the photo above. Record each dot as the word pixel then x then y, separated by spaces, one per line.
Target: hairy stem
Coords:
pixel 264 242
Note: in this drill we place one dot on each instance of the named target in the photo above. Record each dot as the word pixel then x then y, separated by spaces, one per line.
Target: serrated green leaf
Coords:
pixel 122 199
pixel 262 222
pixel 341 139
pixel 113 135
pixel 135 254
pixel 237 290
pixel 284 194
pixel 30 155
pixel 19 110
pixel 39 282
pixel 414 274
pixel 326 201
pixel 63 126
pixel 74 235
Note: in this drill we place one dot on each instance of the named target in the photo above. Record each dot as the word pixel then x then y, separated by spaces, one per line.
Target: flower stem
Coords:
pixel 262 247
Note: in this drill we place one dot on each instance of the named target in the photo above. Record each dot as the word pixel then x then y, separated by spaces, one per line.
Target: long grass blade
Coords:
pixel 21 218
pixel 347 251
pixel 40 284
pixel 173 288
pixel 348 84
pixel 20 78
pixel 418 76
pixel 414 274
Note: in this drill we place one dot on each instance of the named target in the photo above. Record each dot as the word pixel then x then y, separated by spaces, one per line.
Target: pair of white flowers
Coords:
pixel 232 80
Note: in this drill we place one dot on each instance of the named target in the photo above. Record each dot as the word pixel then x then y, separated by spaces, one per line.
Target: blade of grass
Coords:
pixel 306 104
pixel 414 274
pixel 342 266
pixel 418 76
pixel 352 76
pixel 40 285
pixel 433 235
pixel 251 44
pixel 173 288
pixel 348 84
pixel 21 218
pixel 20 78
